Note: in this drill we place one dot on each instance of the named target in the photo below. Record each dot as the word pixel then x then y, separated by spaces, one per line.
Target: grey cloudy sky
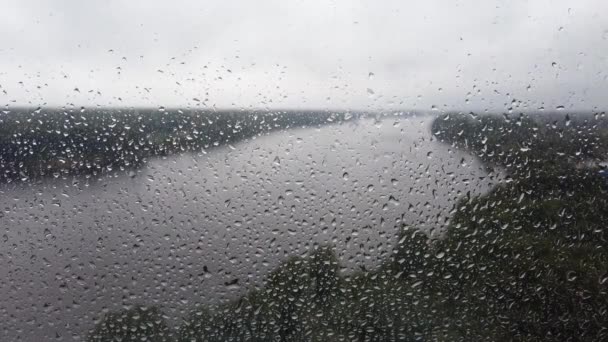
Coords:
pixel 319 54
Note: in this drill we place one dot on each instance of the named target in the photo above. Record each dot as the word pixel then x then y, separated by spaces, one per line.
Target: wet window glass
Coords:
pixel 303 171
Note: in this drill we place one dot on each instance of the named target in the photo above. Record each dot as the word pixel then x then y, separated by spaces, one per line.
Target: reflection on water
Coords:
pixel 205 228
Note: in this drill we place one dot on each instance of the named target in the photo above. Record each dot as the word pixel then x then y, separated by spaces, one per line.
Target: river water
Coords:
pixel 204 228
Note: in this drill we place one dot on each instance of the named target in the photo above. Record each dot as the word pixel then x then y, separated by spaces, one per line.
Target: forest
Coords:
pixel 51 142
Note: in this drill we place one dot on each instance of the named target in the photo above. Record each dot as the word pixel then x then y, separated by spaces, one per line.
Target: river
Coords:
pixel 177 231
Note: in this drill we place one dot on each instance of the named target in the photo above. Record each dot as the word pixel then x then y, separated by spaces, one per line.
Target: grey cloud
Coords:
pixel 455 55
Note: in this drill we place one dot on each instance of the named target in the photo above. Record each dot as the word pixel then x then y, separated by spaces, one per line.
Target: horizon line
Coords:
pixel 306 110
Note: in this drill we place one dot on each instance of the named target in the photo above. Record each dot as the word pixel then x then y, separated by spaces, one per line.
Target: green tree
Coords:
pixel 137 324
pixel 323 270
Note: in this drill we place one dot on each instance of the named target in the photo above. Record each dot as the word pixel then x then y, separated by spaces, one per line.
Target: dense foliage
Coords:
pixel 134 324
pixel 45 142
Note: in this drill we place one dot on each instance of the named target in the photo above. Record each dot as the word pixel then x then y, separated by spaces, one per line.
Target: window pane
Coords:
pixel 303 171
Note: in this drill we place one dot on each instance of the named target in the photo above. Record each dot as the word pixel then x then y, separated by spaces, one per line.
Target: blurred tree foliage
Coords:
pixel 41 142
pixel 132 325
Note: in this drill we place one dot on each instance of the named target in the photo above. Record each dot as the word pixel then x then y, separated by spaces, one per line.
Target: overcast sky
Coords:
pixel 296 54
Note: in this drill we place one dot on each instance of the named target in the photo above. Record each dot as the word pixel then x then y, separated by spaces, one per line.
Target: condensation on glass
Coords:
pixel 293 171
